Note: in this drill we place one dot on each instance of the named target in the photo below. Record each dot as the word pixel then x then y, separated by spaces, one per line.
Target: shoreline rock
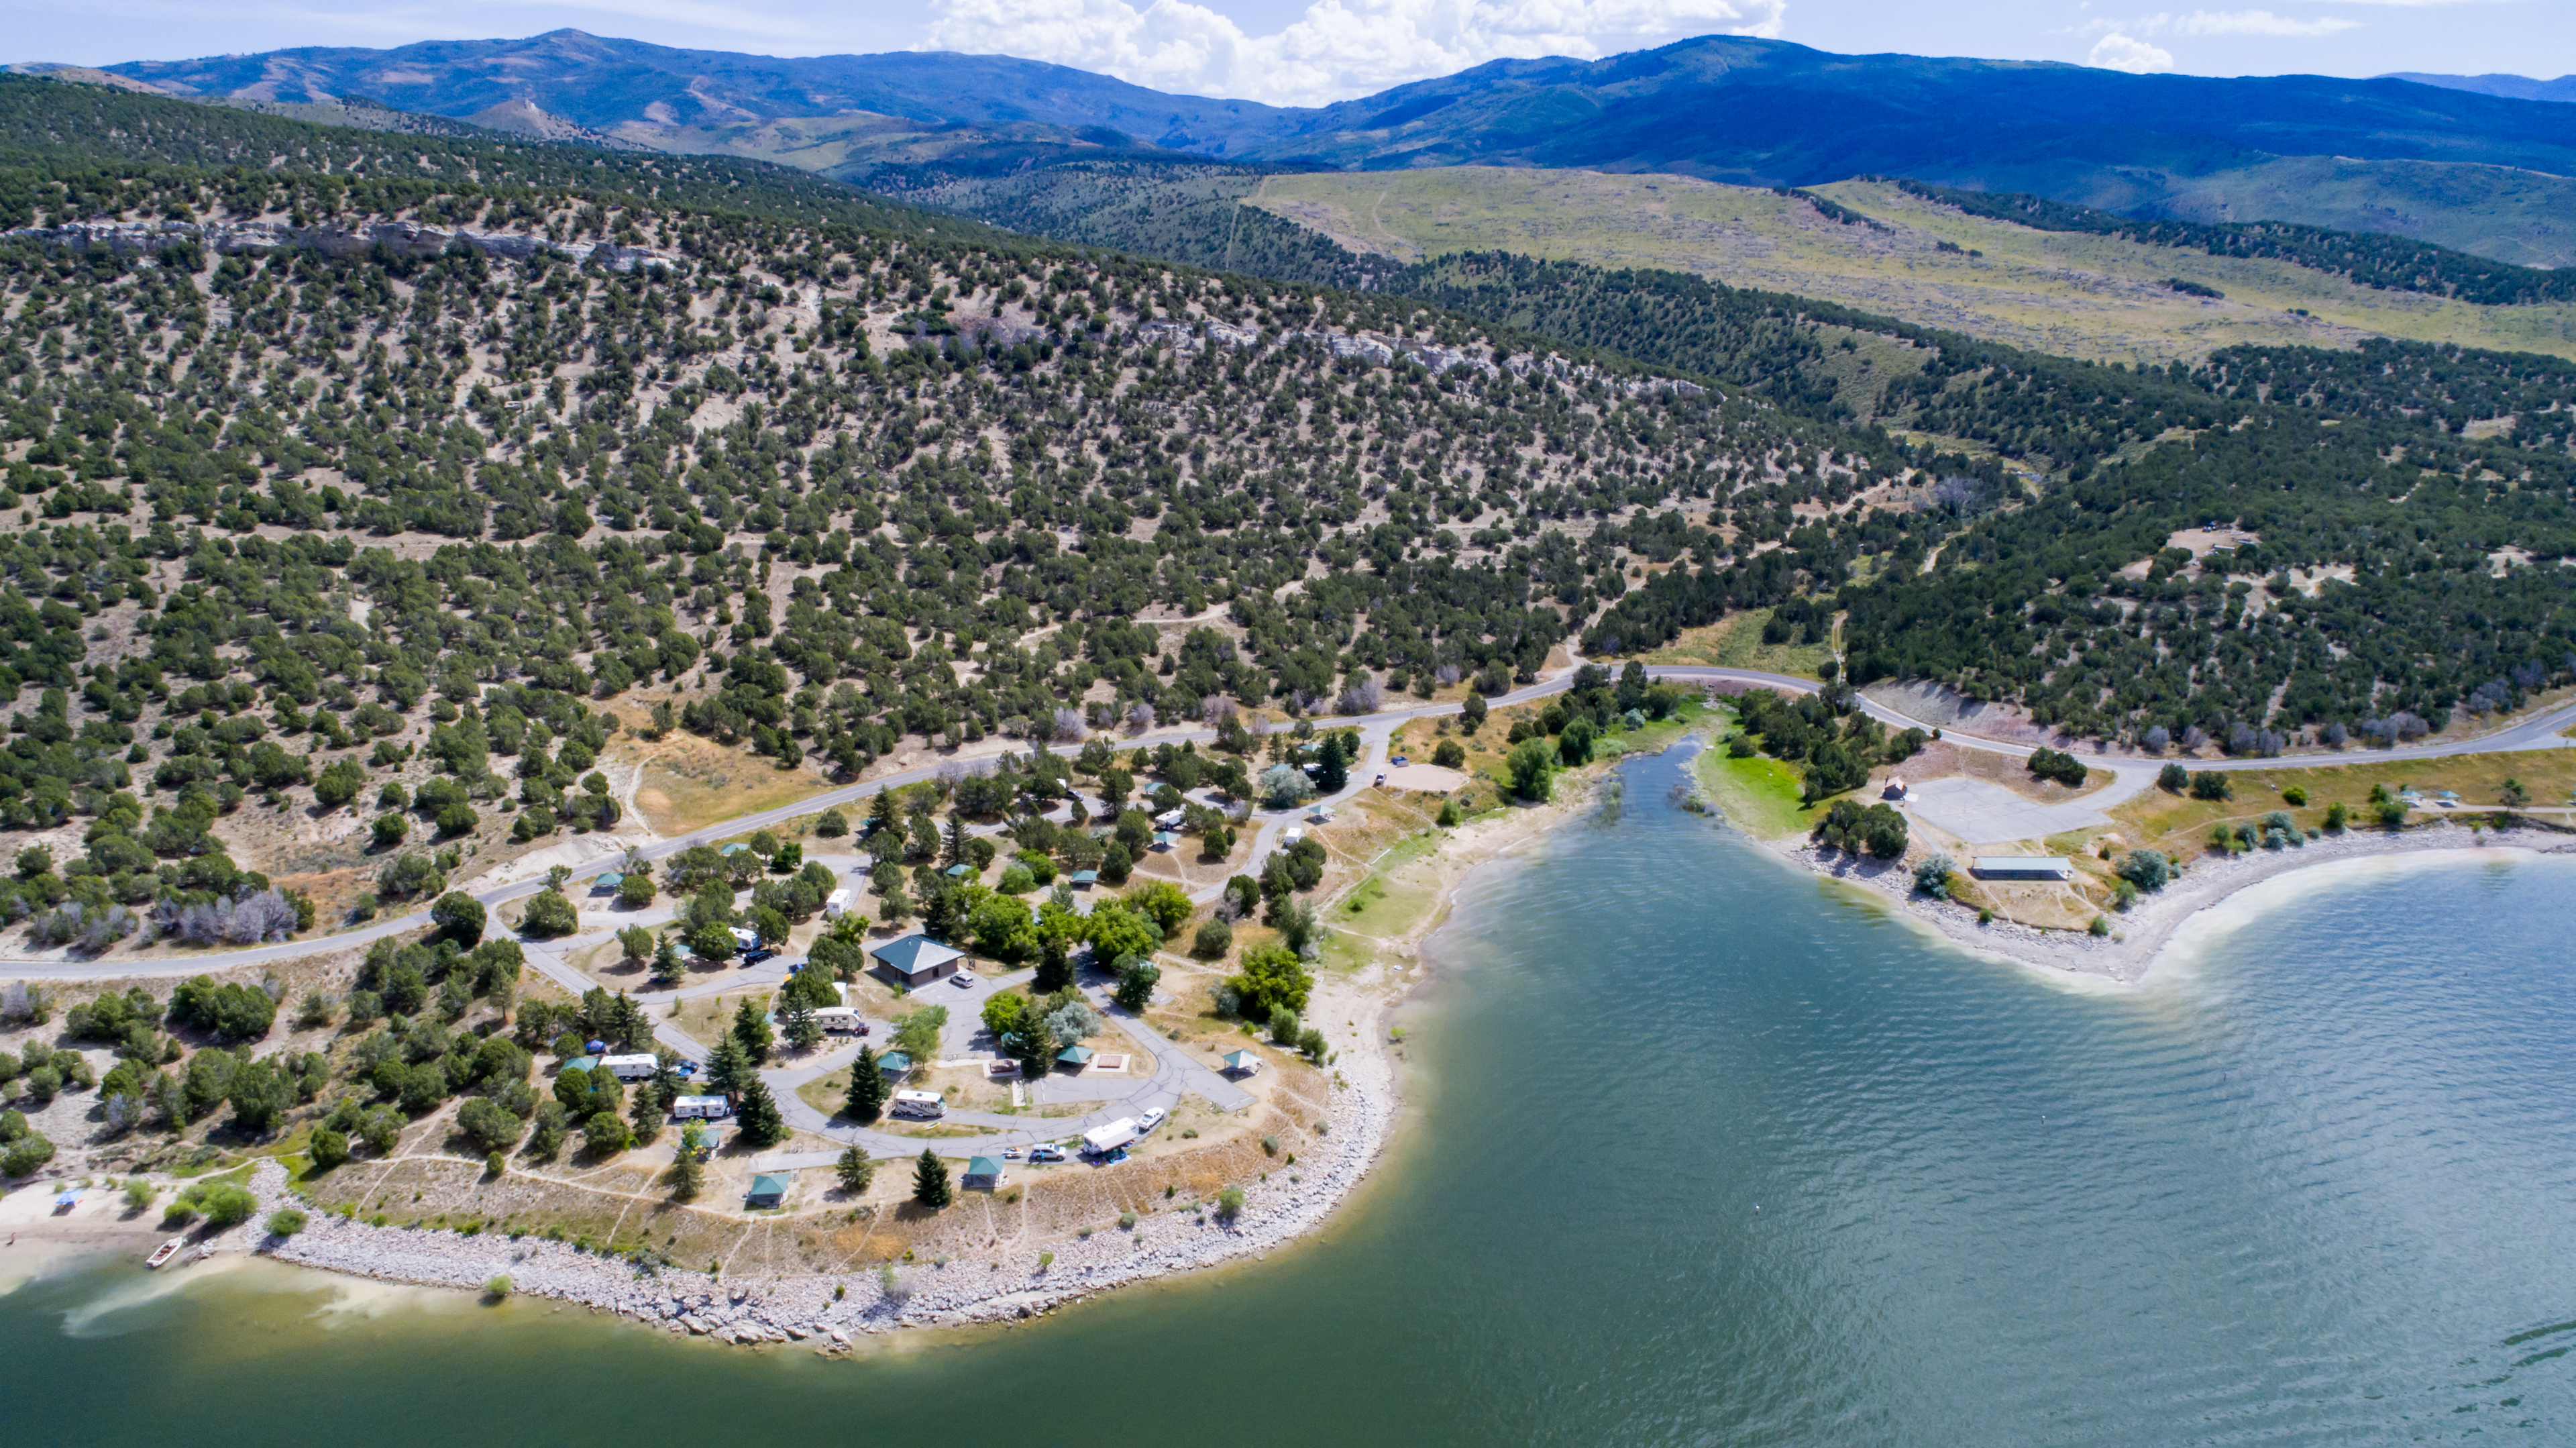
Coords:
pixel 767 1311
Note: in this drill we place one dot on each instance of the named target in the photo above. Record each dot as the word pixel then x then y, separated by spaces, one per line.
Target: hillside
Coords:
pixel 2070 293
pixel 352 510
pixel 2438 162
pixel 363 523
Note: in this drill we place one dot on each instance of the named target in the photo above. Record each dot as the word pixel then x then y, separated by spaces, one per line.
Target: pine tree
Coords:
pixel 930 1181
pixel 1332 772
pixel 954 852
pixel 685 1171
pixel 758 1115
pixel 751 1029
pixel 884 818
pixel 803 1030
pixel 666 963
pixel 730 1069
pixel 646 1115
pixel 867 1097
pixel 856 1171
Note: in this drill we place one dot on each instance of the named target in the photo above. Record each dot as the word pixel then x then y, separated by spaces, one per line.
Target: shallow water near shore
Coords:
pixel 1698 1149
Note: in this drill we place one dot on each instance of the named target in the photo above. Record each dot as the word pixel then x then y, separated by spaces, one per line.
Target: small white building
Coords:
pixel 699 1108
pixel 639 1067
pixel 2023 867
pixel 836 904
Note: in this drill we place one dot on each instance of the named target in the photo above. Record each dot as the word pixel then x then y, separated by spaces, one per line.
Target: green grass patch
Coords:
pixel 1759 796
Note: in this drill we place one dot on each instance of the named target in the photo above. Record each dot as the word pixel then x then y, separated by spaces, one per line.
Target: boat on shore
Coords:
pixel 165 1252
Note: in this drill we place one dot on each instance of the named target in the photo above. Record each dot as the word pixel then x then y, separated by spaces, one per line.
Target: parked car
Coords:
pixel 1399 761
pixel 1046 1151
pixel 1010 1153
pixel 1152 1119
pixel 1381 779
pixel 757 954
pixel 963 980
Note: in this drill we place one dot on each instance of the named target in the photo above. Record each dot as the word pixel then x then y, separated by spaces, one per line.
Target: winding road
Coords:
pixel 1177 1071
pixel 2133 775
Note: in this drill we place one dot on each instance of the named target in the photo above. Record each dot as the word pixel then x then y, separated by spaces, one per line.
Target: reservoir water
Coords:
pixel 1700 1151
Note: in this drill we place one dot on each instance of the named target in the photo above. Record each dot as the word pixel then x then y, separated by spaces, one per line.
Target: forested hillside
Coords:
pixel 306 539
pixel 347 544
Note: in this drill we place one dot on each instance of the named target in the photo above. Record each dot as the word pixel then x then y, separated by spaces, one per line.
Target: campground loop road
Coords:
pixel 2133 776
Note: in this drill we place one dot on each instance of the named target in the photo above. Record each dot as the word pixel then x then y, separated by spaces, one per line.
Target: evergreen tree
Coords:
pixel 885 824
pixel 953 851
pixel 855 1171
pixel 1055 966
pixel 646 1115
pixel 730 1069
pixel 758 1115
pixel 1332 770
pixel 930 1181
pixel 803 1030
pixel 666 963
pixel 751 1029
pixel 867 1095
pixel 685 1171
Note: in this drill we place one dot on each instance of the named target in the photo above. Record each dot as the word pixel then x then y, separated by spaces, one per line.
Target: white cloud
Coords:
pixel 2253 22
pixel 2119 52
pixel 1336 50
pixel 2215 22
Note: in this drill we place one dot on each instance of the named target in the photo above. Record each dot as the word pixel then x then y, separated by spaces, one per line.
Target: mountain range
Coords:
pixel 2513 87
pixel 2470 162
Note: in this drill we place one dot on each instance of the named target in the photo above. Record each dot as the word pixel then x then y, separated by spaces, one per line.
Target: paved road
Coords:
pixel 2133 776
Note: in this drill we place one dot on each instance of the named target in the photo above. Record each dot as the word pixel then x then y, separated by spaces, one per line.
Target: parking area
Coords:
pixel 1984 813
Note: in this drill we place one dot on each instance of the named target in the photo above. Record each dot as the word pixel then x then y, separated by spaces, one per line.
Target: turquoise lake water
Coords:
pixel 1699 1150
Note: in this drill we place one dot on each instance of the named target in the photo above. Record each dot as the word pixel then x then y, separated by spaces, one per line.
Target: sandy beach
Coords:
pixel 2143 935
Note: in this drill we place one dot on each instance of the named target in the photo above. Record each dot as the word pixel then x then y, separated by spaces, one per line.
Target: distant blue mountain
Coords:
pixel 1719 106
pixel 2511 87
pixel 606 84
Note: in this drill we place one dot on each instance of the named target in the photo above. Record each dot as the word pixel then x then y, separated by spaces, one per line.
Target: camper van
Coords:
pixel 836 904
pixel 1102 1140
pixel 698 1108
pixel 632 1068
pixel 844 1019
pixel 920 1105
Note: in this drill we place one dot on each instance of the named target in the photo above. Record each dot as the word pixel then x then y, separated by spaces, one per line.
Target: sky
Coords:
pixel 1304 52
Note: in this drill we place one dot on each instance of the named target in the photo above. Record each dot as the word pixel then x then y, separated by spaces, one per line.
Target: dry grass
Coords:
pixel 688 784
pixel 2180 824
pixel 2067 293
pixel 1736 643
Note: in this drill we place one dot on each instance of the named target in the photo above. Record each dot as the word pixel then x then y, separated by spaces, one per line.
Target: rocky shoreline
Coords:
pixel 806 1309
